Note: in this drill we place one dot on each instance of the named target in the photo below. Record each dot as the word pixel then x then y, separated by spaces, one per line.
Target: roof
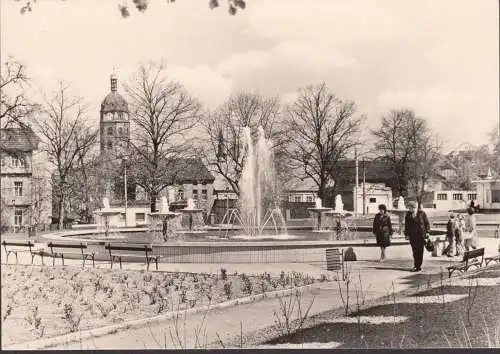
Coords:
pixel 296 184
pixel 374 171
pixel 191 170
pixel 18 139
pixel 114 102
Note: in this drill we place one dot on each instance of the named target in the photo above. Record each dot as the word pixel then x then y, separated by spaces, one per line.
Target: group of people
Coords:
pixel 461 232
pixel 417 229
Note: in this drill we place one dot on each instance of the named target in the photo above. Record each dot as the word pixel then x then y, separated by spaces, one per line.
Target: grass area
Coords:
pixel 44 301
pixel 471 321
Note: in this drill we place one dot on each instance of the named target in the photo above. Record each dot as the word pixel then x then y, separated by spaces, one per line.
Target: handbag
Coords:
pixel 429 246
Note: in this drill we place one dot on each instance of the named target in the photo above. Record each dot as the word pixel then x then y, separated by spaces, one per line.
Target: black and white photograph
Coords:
pixel 249 174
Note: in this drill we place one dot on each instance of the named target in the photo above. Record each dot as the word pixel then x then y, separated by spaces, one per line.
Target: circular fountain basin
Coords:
pixel 300 245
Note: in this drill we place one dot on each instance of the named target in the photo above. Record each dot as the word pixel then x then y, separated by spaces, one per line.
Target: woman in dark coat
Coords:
pixel 382 229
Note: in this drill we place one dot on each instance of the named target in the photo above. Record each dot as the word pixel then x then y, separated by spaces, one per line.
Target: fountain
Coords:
pixel 400 211
pixel 338 212
pixel 106 212
pixel 259 195
pixel 163 216
pixel 190 210
pixel 319 210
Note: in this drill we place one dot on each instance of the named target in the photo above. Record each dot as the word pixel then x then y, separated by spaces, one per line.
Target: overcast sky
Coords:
pixel 439 57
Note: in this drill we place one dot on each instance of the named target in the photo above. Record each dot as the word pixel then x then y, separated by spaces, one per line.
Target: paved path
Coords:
pixel 377 279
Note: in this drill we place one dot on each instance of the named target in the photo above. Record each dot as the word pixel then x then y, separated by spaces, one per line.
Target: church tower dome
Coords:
pixel 114 122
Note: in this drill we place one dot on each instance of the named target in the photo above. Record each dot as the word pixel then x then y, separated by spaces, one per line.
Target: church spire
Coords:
pixel 114 81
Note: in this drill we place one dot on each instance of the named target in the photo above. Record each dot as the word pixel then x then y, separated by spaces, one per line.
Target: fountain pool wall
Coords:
pixel 309 252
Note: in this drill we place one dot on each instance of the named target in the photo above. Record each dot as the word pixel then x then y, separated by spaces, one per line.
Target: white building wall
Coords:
pixel 375 194
pixel 454 199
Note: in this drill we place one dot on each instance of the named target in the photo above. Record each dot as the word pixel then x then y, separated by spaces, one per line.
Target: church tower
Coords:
pixel 114 123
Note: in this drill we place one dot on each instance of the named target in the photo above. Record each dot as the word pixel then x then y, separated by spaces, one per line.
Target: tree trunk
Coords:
pixel 61 211
pixel 153 201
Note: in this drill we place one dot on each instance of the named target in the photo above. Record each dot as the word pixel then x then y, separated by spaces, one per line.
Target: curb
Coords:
pixel 46 343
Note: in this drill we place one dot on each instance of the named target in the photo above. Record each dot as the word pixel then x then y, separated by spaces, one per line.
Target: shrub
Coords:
pixel 71 319
pixel 246 284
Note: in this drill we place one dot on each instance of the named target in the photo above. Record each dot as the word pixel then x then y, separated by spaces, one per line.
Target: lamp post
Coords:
pixel 125 182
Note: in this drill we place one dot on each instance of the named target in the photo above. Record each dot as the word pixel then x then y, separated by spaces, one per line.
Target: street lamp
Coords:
pixel 125 182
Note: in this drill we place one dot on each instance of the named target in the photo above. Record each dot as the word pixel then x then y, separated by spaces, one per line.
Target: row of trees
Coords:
pixel 311 136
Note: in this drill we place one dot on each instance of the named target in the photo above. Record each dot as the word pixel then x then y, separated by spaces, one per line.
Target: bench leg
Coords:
pixel 32 258
pixel 120 262
pixel 84 258
pixel 156 260
pixel 17 261
pixel 93 261
pixel 147 263
pixel 62 258
pixel 111 262
pixel 53 260
pixel 41 255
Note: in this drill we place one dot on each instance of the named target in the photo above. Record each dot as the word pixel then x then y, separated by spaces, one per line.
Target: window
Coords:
pixel 195 194
pixel 18 216
pixel 18 162
pixel 120 131
pixel 110 145
pixel 18 189
pixel 457 196
pixel 309 199
pixel 180 194
pixel 140 217
pixel 442 196
pixel 373 200
pixel 297 199
pixel 110 130
pixel 471 196
pixel 495 195
pixel 204 194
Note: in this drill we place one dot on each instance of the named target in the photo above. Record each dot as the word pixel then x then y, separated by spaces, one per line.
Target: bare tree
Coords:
pixel 323 130
pixel 65 134
pixel 224 131
pixel 163 115
pixel 406 143
pixel 15 107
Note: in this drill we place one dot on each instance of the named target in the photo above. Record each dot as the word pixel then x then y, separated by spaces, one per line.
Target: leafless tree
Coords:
pixel 15 107
pixel 322 130
pixel 224 131
pixel 65 134
pixel 406 143
pixel 163 116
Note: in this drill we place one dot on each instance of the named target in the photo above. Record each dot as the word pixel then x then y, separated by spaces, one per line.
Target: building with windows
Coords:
pixel 488 192
pixel 453 199
pixel 26 198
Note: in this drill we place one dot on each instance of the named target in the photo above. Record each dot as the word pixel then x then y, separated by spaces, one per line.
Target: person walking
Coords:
pixel 450 236
pixel 417 230
pixel 470 237
pixel 382 229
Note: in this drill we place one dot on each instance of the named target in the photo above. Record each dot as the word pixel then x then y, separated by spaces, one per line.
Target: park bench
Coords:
pixel 60 250
pixel 120 251
pixel 335 260
pixel 23 247
pixel 470 259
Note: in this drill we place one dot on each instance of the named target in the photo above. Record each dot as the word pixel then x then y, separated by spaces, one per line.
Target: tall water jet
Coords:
pixel 258 193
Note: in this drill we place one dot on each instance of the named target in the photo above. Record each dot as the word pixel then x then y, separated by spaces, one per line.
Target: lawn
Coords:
pixel 467 316
pixel 44 301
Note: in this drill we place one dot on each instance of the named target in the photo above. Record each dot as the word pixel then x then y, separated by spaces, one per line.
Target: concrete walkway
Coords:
pixel 224 325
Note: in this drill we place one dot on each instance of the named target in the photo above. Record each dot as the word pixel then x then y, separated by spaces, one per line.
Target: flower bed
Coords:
pixel 44 302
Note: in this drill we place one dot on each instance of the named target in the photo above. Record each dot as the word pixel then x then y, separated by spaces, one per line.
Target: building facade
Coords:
pixel 26 194
pixel 453 199
pixel 488 193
